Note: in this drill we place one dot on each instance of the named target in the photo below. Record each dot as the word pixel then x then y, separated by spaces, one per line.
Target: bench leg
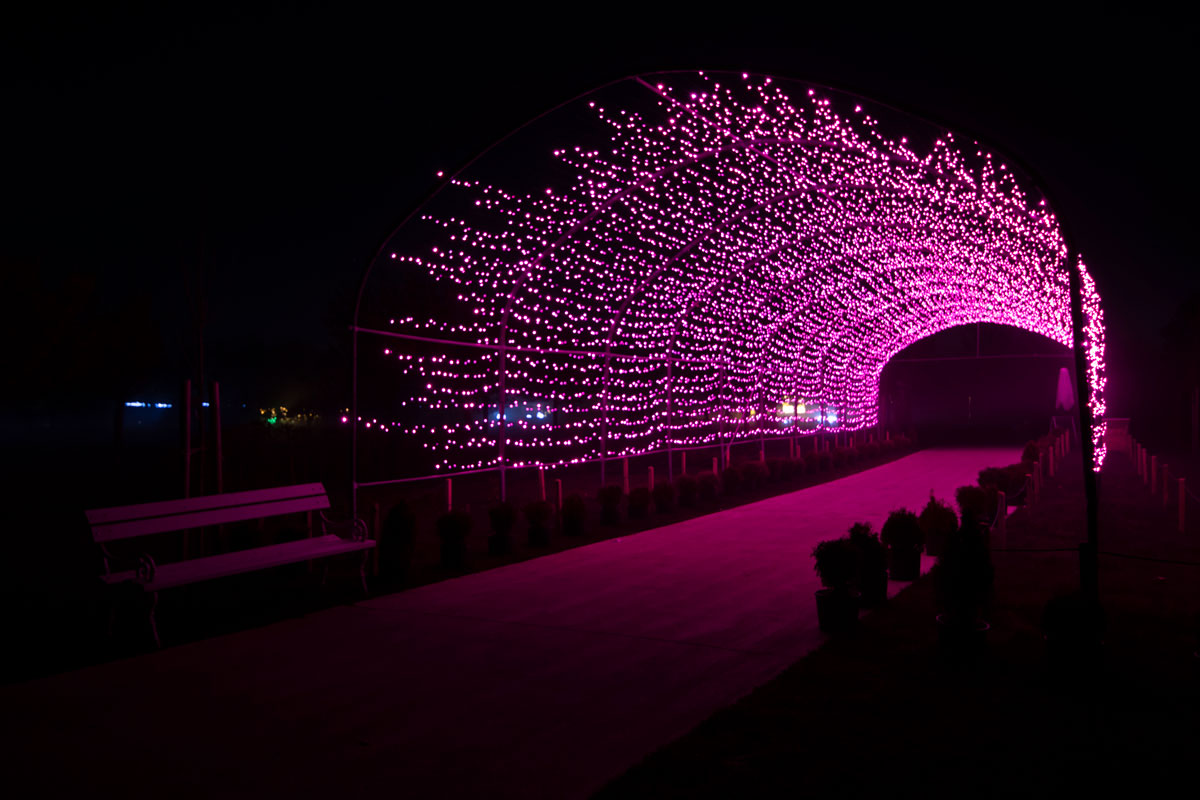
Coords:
pixel 153 624
pixel 362 570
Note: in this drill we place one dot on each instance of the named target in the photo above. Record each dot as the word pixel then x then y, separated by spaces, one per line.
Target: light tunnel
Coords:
pixel 688 259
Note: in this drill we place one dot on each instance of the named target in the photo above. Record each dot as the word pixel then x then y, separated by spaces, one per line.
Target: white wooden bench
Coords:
pixel 128 522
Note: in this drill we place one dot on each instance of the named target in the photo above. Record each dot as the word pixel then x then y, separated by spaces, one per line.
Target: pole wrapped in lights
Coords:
pixel 730 259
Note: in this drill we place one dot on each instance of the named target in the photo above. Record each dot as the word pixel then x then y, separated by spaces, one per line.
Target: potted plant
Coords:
pixel 503 517
pixel 963 581
pixel 754 474
pixel 539 513
pixel 837 604
pixel 1073 630
pixel 972 500
pixel 688 490
pixel 903 538
pixel 872 577
pixel 938 522
pixel 664 497
pixel 452 529
pixel 574 515
pixel 610 504
pixel 639 502
pixel 397 540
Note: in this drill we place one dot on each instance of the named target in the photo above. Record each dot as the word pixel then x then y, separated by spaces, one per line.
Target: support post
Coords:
pixel 625 474
pixel 449 494
pixel 542 482
pixel 715 472
pixel 1089 578
pixel 650 478
pixel 1182 503
pixel 216 406
pixel 1166 486
pixel 683 462
pixel 558 492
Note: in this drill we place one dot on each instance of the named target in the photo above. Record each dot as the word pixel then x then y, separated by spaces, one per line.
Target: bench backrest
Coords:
pixel 126 522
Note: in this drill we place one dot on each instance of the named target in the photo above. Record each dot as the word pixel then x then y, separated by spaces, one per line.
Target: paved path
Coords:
pixel 541 679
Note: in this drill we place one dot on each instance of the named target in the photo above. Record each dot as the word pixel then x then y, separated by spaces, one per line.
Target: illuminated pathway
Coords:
pixel 543 678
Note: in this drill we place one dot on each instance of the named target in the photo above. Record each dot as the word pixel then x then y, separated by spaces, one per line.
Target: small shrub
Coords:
pixel 397 540
pixel 1031 453
pixel 574 515
pixel 872 563
pixel 836 563
pixel 731 480
pixel 687 488
pixel 610 504
pixel 502 517
pixel 938 522
pixel 824 461
pixel 870 450
pixel 777 468
pixel 539 513
pixel 971 500
pixel 707 487
pixel 452 528
pixel 840 456
pixel 754 474
pixel 902 531
pixel 664 497
pixel 797 466
pixel 639 502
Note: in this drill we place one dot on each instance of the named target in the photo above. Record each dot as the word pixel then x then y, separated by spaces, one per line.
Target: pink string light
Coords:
pixel 724 260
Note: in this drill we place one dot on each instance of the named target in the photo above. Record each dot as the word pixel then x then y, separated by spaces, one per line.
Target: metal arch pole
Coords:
pixel 502 439
pixel 670 415
pixel 354 419
pixel 1089 566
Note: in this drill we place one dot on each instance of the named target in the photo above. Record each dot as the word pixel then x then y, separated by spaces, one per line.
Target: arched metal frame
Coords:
pixel 1085 327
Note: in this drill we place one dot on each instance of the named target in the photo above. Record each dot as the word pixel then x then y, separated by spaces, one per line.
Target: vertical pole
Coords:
pixel 375 534
pixel 1166 486
pixel 216 405
pixel 670 415
pixel 650 479
pixel 558 492
pixel 1182 501
pixel 683 462
pixel 354 415
pixel 625 474
pixel 449 494
pixel 187 441
pixel 542 482
pixel 1083 394
pixel 502 439
pixel 715 472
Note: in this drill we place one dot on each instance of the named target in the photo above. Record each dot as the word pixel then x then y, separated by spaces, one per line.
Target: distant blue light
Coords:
pixel 541 415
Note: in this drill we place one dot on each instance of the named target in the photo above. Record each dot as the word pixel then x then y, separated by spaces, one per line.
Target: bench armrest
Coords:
pixel 351 529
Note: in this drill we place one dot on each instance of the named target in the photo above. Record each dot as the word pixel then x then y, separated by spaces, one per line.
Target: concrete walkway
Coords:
pixel 541 679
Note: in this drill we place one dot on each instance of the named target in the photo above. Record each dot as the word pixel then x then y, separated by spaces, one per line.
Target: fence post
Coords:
pixel 558 490
pixel 542 481
pixel 1166 486
pixel 715 466
pixel 625 473
pixel 1153 475
pixel 683 462
pixel 449 494
pixel 651 478
pixel 1182 501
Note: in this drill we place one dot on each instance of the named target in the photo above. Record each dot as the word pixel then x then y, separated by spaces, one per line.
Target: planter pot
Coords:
pixel 962 639
pixel 904 565
pixel 874 590
pixel 836 611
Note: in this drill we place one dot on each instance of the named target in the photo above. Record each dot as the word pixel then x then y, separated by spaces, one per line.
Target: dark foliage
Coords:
pixel 610 504
pixel 574 515
pixel 502 517
pixel 687 488
pixel 973 500
pixel 707 487
pixel 964 577
pixel 540 514
pixel 453 527
pixel 397 540
pixel 664 497
pixel 778 469
pixel 938 522
pixel 754 474
pixel 639 502
pixel 798 466
pixel 871 559
pixel 840 456
pixel 1031 453
pixel 731 480
pixel 902 531
pixel 836 563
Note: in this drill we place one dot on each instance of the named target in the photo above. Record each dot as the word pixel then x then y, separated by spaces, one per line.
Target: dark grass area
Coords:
pixel 881 710
pixel 57 612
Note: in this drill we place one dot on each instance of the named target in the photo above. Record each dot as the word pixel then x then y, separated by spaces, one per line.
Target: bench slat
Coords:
pixel 125 529
pixel 202 503
pixel 219 566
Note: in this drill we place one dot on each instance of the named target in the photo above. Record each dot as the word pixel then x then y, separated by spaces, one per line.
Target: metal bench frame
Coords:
pixel 129 522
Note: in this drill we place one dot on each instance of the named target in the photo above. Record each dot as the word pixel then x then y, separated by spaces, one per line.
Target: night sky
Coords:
pixel 247 167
